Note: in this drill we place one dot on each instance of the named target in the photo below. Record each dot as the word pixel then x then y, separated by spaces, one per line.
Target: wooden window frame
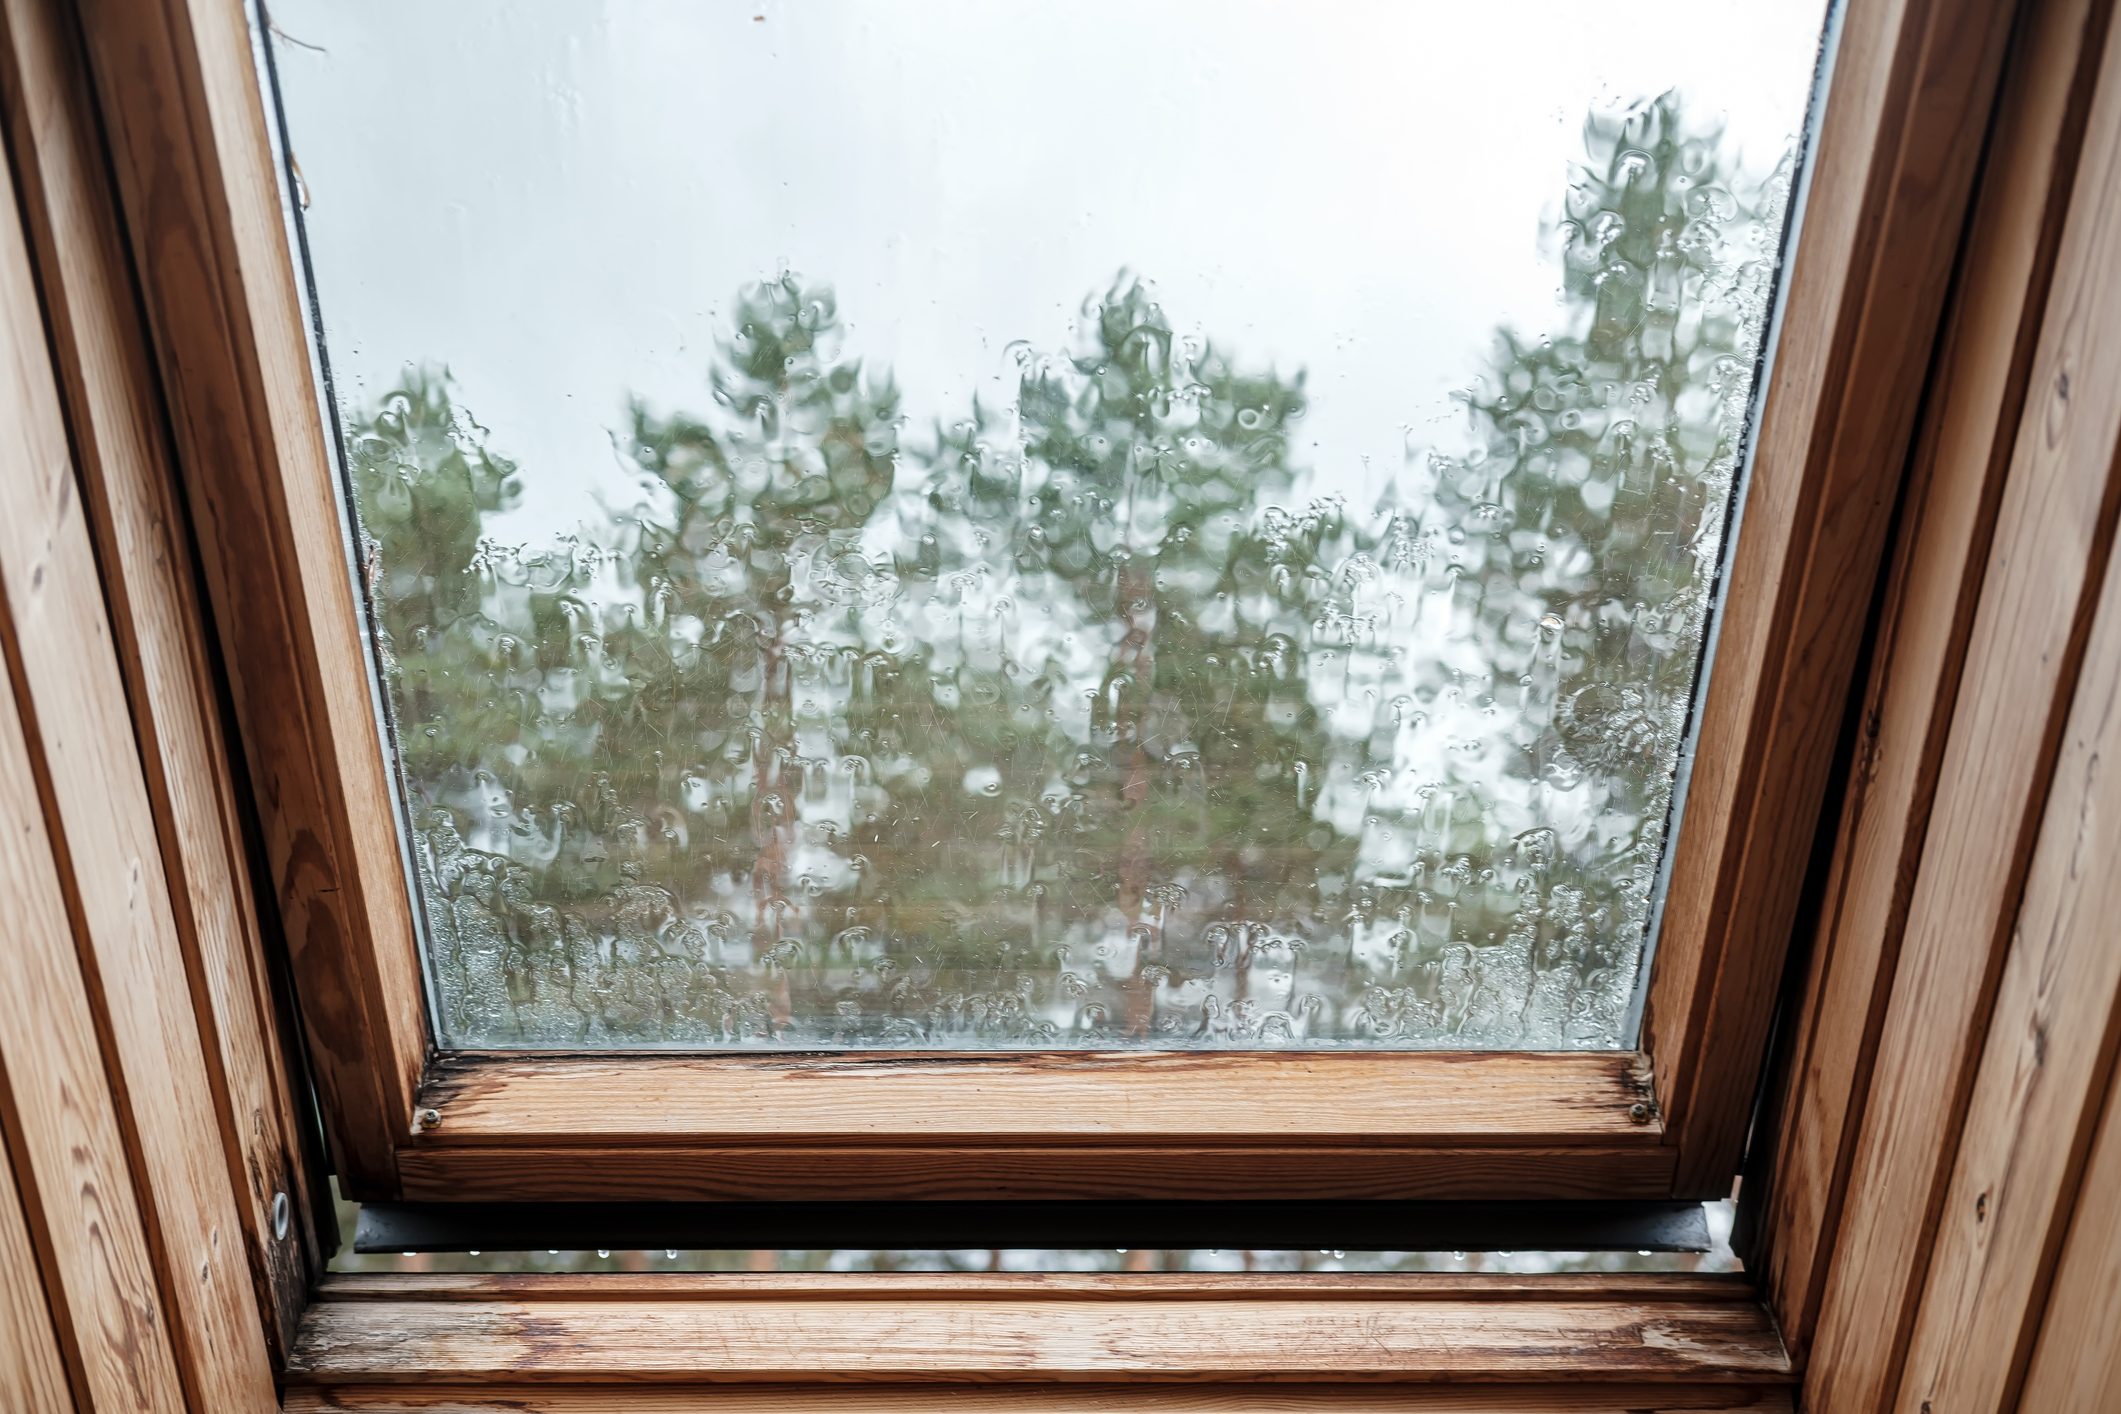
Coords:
pixel 1959 953
pixel 198 172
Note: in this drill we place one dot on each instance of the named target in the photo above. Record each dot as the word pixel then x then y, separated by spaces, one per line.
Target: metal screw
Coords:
pixel 1639 1112
pixel 428 1119
pixel 280 1216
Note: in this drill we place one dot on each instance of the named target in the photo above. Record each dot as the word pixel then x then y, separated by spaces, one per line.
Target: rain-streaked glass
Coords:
pixel 941 524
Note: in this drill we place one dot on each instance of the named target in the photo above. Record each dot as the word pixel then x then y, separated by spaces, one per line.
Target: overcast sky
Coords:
pixel 557 200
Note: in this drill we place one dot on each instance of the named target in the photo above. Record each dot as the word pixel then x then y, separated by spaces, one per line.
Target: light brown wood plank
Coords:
pixel 142 539
pixel 32 1370
pixel 1963 451
pixel 1912 90
pixel 190 148
pixel 101 827
pixel 2053 536
pixel 67 1155
pixel 1443 1098
pixel 2076 1361
pixel 2045 1064
pixel 1073 1399
pixel 876 1337
pixel 1056 1286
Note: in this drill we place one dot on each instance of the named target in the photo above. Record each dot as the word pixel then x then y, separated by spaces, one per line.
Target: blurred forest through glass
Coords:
pixel 1071 723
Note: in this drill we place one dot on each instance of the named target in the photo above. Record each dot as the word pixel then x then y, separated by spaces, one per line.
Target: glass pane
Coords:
pixel 1720 1217
pixel 945 524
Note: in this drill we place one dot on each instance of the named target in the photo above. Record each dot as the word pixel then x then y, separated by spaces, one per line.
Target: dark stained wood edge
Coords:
pixel 989 1330
pixel 194 164
pixel 144 551
pixel 703 1173
pixel 1968 428
pixel 1910 98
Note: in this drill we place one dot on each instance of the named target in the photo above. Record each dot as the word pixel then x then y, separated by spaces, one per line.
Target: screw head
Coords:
pixel 282 1215
pixel 428 1119
pixel 1639 1112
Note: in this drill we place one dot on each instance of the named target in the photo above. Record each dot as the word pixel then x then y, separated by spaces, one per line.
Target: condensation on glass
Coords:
pixel 938 524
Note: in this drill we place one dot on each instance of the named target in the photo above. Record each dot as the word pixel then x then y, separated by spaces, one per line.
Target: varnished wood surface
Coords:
pixel 66 1156
pixel 1965 440
pixel 133 980
pixel 2045 1063
pixel 2076 1361
pixel 1197 1124
pixel 1911 92
pixel 143 545
pixel 1071 1399
pixel 1266 1097
pixel 192 156
pixel 985 1330
pixel 32 1369
pixel 2053 536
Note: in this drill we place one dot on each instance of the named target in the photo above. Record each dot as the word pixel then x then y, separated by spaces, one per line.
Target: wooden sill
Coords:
pixel 571 1344
pixel 1423 1124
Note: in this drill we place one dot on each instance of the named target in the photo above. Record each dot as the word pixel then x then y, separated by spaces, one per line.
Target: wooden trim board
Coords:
pixel 2053 537
pixel 692 1330
pixel 143 546
pixel 100 824
pixel 1969 427
pixel 2047 1057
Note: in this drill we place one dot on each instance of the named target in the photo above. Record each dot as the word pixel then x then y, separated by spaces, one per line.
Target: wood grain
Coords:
pixel 1052 1125
pixel 1067 1399
pixel 32 1370
pixel 143 543
pixel 1963 450
pixel 1911 93
pixel 67 1155
pixel 2044 1065
pixel 101 827
pixel 2076 1361
pixel 1443 1098
pixel 1001 1332
pixel 193 160
pixel 2054 531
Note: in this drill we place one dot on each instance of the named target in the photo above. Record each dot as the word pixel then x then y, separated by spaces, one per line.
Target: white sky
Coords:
pixel 558 200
